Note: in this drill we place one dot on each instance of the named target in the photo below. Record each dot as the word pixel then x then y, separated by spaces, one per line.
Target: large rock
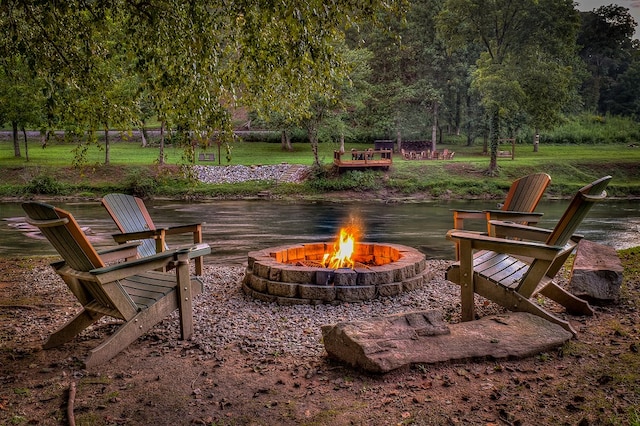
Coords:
pixel 382 344
pixel 597 273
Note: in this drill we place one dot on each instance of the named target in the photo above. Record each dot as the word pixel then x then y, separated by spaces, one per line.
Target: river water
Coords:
pixel 233 228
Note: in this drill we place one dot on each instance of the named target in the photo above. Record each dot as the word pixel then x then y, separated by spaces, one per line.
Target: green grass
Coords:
pixel 569 165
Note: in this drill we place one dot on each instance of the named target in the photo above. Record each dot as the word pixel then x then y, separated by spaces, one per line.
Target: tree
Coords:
pixel 608 50
pixel 411 74
pixel 514 36
pixel 195 59
pixel 21 98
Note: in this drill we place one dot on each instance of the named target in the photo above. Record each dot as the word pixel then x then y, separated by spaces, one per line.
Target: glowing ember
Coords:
pixel 342 256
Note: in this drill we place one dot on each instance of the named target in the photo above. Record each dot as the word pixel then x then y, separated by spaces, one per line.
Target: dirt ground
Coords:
pixel 592 380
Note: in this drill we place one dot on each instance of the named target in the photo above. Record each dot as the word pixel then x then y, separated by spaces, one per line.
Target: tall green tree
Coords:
pixel 411 73
pixel 514 36
pixel 608 50
pixel 21 98
pixel 196 59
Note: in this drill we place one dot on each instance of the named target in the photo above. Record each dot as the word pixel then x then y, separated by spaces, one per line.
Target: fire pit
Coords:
pixel 308 274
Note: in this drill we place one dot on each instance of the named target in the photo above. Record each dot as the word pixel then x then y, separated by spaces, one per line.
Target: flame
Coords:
pixel 342 256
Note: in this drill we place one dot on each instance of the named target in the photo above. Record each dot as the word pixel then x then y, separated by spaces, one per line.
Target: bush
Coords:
pixel 352 180
pixel 141 184
pixel 44 185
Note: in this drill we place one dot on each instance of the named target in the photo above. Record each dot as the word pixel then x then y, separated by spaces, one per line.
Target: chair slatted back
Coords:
pixel 577 211
pixel 66 236
pixel 563 231
pixel 131 215
pixel 525 193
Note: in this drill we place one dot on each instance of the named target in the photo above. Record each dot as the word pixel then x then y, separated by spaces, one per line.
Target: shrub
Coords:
pixel 352 180
pixel 141 184
pixel 44 185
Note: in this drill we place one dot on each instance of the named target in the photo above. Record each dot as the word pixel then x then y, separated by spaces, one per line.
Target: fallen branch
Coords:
pixel 71 402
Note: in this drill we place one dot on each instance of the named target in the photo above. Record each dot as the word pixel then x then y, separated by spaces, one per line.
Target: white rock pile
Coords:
pixel 234 174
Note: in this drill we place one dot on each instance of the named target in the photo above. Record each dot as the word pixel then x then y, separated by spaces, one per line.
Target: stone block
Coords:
pixel 391 289
pixel 355 293
pixel 345 277
pixel 261 269
pixel 317 292
pixel 413 283
pixel 596 275
pixel 406 271
pixel 257 283
pixel 300 274
pixel 282 289
pixel 314 251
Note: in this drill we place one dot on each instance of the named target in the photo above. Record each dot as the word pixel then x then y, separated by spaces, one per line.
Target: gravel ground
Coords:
pixel 226 317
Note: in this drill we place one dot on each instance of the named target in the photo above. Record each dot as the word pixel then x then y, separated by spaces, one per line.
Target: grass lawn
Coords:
pixel 570 166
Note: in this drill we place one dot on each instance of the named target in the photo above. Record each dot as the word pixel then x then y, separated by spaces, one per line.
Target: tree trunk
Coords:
pixel 536 140
pixel 161 154
pixel 143 136
pixel 469 126
pixel 434 127
pixel 458 117
pixel 285 141
pixel 399 138
pixel 26 146
pixel 312 134
pixel 494 136
pixel 16 142
pixel 44 138
pixel 107 154
pixel 342 143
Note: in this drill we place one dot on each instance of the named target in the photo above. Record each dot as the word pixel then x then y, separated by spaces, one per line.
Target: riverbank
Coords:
pixel 253 363
pixel 257 170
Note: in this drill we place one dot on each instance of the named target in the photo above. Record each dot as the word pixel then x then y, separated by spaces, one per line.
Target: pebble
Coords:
pixel 235 174
pixel 225 317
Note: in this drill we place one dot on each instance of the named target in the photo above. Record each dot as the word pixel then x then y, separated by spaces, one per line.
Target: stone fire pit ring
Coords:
pixel 290 275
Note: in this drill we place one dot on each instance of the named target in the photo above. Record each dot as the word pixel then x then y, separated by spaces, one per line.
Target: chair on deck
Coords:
pixel 133 291
pixel 520 261
pixel 522 199
pixel 133 220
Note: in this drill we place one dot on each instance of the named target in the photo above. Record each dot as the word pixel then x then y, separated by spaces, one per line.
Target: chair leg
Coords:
pixel 573 304
pixel 131 330
pixel 185 296
pixel 71 329
pixel 199 266
pixel 519 303
pixel 467 282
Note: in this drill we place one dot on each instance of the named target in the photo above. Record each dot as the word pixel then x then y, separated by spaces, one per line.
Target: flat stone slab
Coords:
pixel 597 273
pixel 382 344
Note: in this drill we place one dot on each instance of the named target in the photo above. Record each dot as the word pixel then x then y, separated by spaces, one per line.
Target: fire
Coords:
pixel 342 256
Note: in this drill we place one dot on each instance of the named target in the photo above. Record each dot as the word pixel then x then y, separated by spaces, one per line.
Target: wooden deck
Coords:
pixel 367 159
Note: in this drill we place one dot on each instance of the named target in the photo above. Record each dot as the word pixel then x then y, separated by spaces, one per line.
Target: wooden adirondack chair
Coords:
pixel 521 261
pixel 132 219
pixel 519 205
pixel 133 291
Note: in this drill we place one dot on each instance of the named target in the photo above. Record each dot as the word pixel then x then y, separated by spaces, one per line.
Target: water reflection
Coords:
pixel 233 228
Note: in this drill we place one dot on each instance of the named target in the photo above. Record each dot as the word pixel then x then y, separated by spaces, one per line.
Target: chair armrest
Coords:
pixel 503 229
pixel 460 215
pixel 529 217
pixel 141 235
pixel 157 261
pixel 478 241
pixel 182 229
pixel 122 251
pixel 123 270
